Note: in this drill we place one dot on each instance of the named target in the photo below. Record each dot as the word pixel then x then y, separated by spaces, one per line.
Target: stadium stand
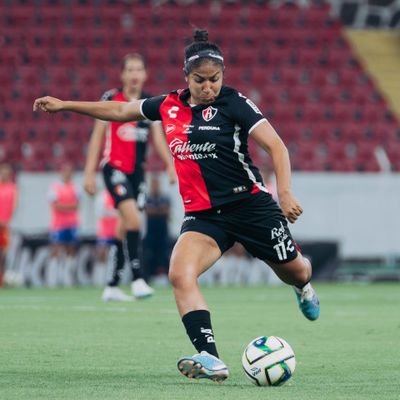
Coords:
pixel 295 62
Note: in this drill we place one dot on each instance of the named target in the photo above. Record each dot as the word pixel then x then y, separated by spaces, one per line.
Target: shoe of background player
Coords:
pixel 203 365
pixel 140 289
pixel 308 301
pixel 114 293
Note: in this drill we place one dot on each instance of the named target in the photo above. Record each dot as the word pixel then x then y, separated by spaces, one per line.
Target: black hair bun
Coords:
pixel 200 35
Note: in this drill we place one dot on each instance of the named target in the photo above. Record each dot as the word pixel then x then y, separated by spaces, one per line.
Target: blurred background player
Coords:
pixel 8 203
pixel 64 200
pixel 123 172
pixel 156 244
pixel 106 228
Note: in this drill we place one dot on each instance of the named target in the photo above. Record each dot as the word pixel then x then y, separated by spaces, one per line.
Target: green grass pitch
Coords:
pixel 67 344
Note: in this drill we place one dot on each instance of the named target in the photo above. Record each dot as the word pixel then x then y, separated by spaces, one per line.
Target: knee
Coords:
pixel 303 274
pixel 180 278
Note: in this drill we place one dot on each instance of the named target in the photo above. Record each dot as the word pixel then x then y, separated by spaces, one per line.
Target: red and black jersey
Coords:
pixel 209 146
pixel 126 142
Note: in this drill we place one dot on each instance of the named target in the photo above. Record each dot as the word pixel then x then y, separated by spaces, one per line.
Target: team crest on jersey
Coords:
pixel 120 190
pixel 209 113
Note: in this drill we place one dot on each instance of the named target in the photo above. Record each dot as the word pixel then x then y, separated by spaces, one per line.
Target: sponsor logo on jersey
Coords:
pixel 278 232
pixel 240 189
pixel 209 128
pixel 169 128
pixel 178 146
pixel 127 132
pixel 187 129
pixel 192 151
pixel 209 113
pixel 117 177
pixel 189 217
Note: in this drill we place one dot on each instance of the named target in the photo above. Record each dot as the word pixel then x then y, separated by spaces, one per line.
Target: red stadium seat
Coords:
pixel 308 57
pixel 331 94
pixel 51 16
pixel 290 76
pixel 293 62
pixel 69 57
pixel 242 56
pixel 342 112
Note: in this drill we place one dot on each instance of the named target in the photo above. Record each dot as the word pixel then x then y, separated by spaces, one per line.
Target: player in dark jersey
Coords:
pixel 123 172
pixel 207 128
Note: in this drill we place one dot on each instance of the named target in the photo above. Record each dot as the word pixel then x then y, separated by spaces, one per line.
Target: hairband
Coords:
pixel 203 54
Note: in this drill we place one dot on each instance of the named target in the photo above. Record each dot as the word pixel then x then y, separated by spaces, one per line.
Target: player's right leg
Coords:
pixel 193 254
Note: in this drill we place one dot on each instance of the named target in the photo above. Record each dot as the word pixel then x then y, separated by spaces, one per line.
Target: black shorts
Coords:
pixel 124 186
pixel 257 223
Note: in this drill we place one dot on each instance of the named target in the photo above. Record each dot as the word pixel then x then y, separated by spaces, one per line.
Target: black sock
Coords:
pixel 304 284
pixel 199 330
pixel 132 246
pixel 116 261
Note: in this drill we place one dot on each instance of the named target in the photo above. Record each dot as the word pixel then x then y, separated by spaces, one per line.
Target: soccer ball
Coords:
pixel 268 361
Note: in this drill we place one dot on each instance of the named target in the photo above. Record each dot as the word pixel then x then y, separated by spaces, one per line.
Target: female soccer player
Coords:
pixel 207 127
pixel 123 174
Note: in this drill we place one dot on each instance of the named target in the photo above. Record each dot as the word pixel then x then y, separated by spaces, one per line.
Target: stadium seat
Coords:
pixel 293 62
pixel 51 16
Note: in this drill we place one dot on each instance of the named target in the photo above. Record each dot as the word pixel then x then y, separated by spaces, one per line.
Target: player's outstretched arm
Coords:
pixel 105 110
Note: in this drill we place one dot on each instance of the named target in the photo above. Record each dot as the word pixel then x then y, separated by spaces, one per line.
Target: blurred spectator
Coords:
pixel 64 201
pixel 8 202
pixel 156 244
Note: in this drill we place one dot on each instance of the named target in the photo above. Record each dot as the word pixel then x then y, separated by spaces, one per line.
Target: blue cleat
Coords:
pixel 308 301
pixel 203 366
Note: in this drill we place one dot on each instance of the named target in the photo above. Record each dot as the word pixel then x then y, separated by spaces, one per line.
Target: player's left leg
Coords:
pixel 115 267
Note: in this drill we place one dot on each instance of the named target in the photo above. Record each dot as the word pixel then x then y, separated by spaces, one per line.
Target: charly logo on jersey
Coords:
pixel 173 112
pixel 193 151
pixel 209 113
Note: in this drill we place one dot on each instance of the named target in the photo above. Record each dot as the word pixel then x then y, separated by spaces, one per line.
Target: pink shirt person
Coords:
pixel 64 199
pixel 8 198
pixel 107 217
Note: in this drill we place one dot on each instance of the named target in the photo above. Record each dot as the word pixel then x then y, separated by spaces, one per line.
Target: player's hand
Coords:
pixel 290 207
pixel 171 174
pixel 48 104
pixel 89 185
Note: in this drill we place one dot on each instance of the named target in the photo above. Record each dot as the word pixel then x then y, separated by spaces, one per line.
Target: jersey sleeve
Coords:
pixel 245 112
pixel 150 108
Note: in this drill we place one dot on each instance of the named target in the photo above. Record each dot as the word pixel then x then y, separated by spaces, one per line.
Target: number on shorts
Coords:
pixel 282 248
